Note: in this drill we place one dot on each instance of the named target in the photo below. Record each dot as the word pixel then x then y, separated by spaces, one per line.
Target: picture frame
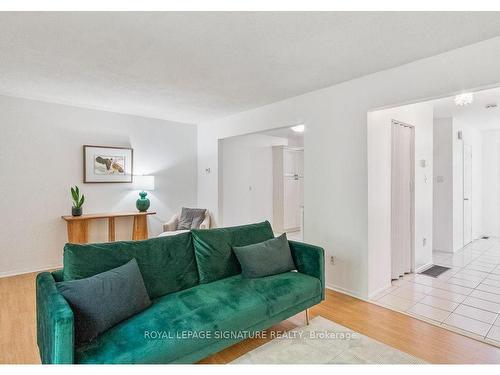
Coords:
pixel 107 164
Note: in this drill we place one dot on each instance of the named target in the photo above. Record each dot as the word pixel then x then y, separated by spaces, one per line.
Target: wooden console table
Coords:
pixel 78 226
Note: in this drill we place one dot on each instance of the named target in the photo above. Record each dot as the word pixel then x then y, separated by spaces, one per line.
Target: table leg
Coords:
pixel 111 229
pixel 78 231
pixel 140 229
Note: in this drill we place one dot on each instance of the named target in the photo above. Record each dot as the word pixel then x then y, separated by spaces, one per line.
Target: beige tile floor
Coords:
pixel 464 299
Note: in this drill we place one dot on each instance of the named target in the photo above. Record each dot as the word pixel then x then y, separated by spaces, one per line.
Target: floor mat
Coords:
pixel 434 271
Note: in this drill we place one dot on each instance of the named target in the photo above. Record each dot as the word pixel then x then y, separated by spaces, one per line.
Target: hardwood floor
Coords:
pixel 423 340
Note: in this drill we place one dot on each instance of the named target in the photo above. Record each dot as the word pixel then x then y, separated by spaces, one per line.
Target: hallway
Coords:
pixel 464 299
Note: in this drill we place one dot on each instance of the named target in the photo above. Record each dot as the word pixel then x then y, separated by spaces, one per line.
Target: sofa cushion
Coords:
pixel 265 258
pixel 103 300
pixel 167 264
pixel 232 304
pixel 214 248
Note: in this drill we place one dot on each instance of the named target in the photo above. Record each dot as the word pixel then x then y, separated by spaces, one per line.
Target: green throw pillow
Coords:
pixel 99 302
pixel 266 258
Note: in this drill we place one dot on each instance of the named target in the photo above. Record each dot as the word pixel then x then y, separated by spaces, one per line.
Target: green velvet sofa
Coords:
pixel 201 304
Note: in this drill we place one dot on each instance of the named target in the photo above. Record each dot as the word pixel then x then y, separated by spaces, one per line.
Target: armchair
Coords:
pixel 170 227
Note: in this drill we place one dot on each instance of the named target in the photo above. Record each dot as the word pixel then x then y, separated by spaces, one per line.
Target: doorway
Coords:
pixel 261 177
pixel 402 199
pixel 467 210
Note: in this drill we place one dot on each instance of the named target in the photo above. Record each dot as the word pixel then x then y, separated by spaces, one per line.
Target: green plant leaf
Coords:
pixel 74 195
pixel 80 204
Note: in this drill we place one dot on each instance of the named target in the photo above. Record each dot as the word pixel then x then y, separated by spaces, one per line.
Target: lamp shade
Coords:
pixel 146 183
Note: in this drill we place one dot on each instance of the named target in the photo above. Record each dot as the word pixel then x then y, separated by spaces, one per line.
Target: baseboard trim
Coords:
pixel 30 270
pixel 345 291
pixel 444 251
pixel 379 290
pixel 424 267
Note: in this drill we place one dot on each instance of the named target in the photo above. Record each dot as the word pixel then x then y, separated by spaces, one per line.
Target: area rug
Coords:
pixel 325 342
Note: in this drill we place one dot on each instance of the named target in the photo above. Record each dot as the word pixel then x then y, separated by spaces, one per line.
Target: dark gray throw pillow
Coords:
pixel 191 218
pixel 266 258
pixel 103 300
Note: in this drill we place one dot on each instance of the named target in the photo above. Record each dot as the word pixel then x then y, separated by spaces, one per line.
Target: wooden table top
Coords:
pixel 107 215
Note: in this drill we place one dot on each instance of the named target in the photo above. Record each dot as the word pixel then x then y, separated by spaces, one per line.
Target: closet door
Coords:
pixel 288 188
pixel 291 206
pixel 401 200
pixel 289 162
pixel 299 163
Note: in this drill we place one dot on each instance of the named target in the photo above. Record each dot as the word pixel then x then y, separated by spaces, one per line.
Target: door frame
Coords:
pixel 395 123
pixel 218 218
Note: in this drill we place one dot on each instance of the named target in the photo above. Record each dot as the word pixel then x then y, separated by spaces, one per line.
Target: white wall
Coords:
pixel 336 193
pixel 443 185
pixel 247 178
pixel 41 157
pixel 471 137
pixel 420 116
pixel 491 183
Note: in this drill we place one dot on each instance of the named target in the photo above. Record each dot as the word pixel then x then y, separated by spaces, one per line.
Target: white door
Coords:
pixel 289 162
pixel 292 203
pixel 299 163
pixel 293 169
pixel 467 194
pixel 401 199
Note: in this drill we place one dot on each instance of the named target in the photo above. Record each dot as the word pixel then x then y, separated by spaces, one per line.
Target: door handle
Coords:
pixel 466 199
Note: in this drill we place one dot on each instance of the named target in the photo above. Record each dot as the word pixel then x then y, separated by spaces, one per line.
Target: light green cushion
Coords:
pixel 230 304
pixel 167 264
pixel 266 258
pixel 213 248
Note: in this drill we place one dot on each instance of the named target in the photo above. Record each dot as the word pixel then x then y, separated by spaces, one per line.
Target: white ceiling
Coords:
pixel 193 67
pixel 474 114
pixel 286 132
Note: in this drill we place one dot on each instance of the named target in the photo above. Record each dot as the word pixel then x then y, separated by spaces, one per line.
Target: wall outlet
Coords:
pixel 424 241
pixel 332 260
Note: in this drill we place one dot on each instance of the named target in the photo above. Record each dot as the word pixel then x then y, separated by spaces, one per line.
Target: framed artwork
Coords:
pixel 107 164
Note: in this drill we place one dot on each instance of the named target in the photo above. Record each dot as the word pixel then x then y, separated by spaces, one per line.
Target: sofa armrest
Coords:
pixel 57 275
pixel 309 259
pixel 54 321
pixel 171 225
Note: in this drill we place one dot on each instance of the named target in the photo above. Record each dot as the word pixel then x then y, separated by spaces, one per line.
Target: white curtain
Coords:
pixel 401 223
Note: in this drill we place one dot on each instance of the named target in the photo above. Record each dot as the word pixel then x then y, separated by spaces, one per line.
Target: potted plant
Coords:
pixel 78 200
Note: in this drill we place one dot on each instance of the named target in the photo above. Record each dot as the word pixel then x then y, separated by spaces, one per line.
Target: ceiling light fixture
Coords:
pixel 298 128
pixel 464 99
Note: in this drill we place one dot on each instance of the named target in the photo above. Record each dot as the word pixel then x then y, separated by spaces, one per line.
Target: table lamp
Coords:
pixel 144 183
